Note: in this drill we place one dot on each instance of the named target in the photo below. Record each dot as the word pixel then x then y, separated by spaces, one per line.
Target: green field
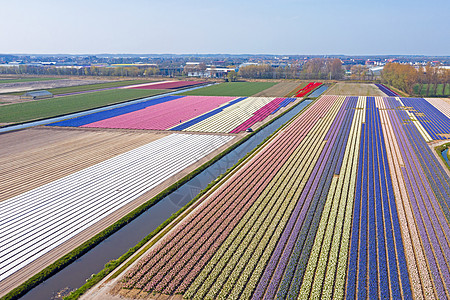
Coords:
pixel 89 87
pixel 439 92
pixel 46 108
pixel 232 89
pixel 14 80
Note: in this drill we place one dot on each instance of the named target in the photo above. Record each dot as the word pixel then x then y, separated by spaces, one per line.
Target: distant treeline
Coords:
pixel 424 81
pixel 316 68
pixel 89 71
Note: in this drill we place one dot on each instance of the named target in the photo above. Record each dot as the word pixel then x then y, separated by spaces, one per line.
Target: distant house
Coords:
pixel 35 95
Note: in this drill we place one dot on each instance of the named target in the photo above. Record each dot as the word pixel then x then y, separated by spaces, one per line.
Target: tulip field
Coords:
pixel 185 113
pixel 346 201
pixel 307 89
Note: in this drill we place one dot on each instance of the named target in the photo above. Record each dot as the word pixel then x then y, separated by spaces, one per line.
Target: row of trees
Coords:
pixel 316 68
pixel 323 68
pixel 414 81
pixel 266 71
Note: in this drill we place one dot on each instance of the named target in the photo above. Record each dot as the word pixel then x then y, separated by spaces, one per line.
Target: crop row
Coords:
pixel 334 231
pixel 37 221
pixel 435 122
pixel 376 246
pixel 288 240
pixel 232 116
pixel 419 274
pixel 307 89
pixel 441 105
pixel 235 269
pixel 95 117
pixel 222 210
pixel 348 201
pixel 262 113
pixel 164 115
pixel 386 90
pixel 430 220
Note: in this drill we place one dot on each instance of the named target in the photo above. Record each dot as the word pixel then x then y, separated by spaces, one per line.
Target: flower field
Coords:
pixel 187 113
pixel 307 89
pixel 37 221
pixel 386 90
pixel 347 201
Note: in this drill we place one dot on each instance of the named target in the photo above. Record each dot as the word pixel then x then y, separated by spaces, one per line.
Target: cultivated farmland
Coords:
pixel 348 201
pixel 187 113
pixel 46 108
pixel 281 89
pixel 117 172
pixel 355 89
pixel 236 89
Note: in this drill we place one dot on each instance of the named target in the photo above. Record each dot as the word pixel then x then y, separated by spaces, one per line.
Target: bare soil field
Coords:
pixel 355 89
pixel 37 85
pixel 33 157
pixel 279 90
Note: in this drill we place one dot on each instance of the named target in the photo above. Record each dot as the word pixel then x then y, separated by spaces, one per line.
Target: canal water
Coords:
pixel 318 91
pixel 445 155
pixel 75 275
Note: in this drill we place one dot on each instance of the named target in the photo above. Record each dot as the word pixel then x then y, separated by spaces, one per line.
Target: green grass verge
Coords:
pixel 112 265
pixel 396 90
pixel 47 108
pixel 14 80
pixel 233 89
pixel 439 92
pixel 439 150
pixel 88 87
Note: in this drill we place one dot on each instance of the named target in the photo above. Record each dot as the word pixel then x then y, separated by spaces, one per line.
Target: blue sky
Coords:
pixel 352 27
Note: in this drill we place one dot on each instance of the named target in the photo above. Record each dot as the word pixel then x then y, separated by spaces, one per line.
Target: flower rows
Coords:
pixel 348 201
pixel 308 88
pixel 175 261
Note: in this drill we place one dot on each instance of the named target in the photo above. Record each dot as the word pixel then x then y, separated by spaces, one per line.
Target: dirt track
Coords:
pixel 279 90
pixel 355 89
pixel 40 155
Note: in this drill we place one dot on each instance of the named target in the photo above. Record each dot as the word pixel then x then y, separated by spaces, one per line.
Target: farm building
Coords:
pixel 35 95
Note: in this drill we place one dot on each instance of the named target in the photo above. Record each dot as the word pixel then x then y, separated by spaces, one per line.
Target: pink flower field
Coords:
pixel 164 115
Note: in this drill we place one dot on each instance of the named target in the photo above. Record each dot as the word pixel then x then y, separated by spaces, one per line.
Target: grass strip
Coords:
pixel 112 265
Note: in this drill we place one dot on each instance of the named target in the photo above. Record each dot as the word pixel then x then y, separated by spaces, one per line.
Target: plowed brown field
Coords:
pixel 279 90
